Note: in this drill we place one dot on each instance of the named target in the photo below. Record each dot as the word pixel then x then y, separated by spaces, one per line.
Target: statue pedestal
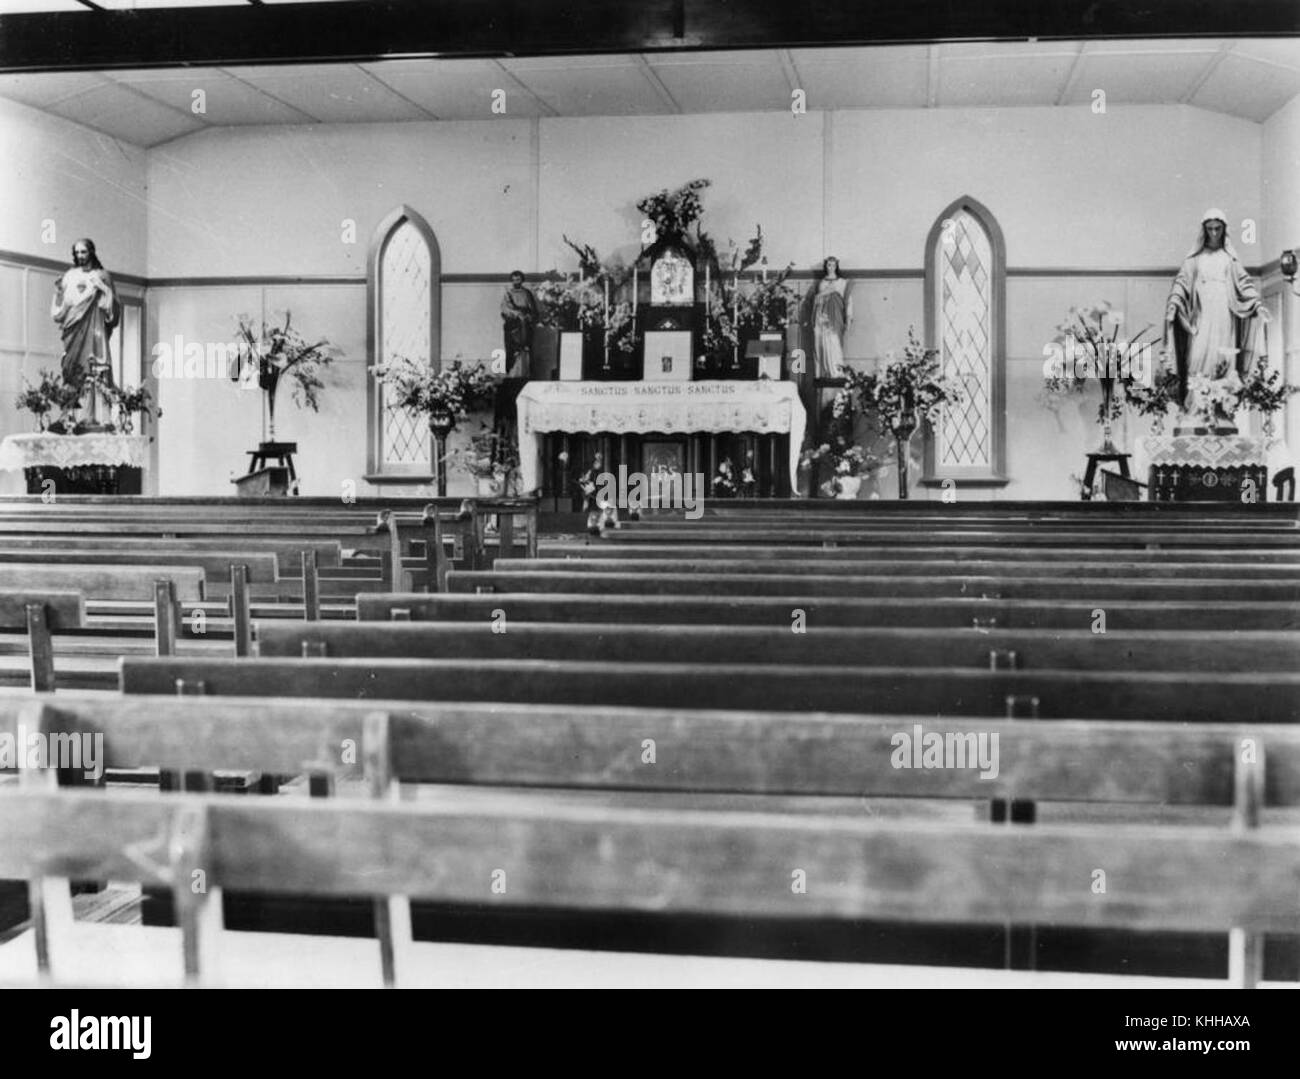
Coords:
pixel 1206 468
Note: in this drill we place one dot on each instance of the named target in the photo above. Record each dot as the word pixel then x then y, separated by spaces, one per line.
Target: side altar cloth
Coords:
pixel 1198 468
pixel 99 463
pixel 765 407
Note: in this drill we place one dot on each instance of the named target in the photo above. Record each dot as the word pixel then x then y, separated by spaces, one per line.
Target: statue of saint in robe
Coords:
pixel 1213 307
pixel 86 309
pixel 519 318
pixel 832 311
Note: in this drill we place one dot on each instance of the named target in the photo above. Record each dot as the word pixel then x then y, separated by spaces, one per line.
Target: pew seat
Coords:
pixel 110 956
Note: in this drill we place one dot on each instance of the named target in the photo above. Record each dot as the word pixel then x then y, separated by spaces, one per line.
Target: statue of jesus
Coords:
pixel 86 309
pixel 1212 309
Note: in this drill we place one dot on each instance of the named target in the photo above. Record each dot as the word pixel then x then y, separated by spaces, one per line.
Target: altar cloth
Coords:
pixel 38 450
pixel 764 407
pixel 1210 467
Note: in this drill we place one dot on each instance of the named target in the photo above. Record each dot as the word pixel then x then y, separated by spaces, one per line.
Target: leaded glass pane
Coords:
pixel 406 321
pixel 965 305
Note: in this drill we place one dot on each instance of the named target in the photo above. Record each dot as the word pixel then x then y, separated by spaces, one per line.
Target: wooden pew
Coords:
pixel 844 646
pixel 262 566
pixel 1181 696
pixel 104 582
pixel 1028 508
pixel 600 551
pixel 1242 525
pixel 1201 880
pixel 1065 586
pixel 796 567
pixel 970 613
pixel 705 532
pixel 287 552
pixel 37 615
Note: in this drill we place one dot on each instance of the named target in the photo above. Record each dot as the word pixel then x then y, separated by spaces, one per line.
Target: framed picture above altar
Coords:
pixel 668 355
pixel 672 278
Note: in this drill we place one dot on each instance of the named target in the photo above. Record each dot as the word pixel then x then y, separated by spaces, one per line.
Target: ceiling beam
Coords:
pixel 356 31
pixel 1204 76
pixel 657 84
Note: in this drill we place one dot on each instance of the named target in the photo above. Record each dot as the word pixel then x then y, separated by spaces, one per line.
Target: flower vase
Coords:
pixel 1107 424
pixel 847 487
pixel 269 381
pixel 441 424
pixel 903 432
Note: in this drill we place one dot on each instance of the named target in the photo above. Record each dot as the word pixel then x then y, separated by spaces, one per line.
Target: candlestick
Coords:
pixel 764 265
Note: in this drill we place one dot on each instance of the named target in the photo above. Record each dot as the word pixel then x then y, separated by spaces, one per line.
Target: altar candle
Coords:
pixel 635 280
pixel 606 304
pixel 706 283
pixel 764 265
pixel 735 299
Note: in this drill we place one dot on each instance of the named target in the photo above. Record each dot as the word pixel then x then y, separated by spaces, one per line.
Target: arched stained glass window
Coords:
pixel 965 281
pixel 404 321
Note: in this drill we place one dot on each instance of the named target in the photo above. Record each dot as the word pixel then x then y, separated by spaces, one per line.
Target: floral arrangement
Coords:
pixel 52 393
pixel 721 334
pixel 772 305
pixel 560 303
pixel 131 403
pixel 1264 391
pixel 572 306
pixel 845 457
pixel 447 396
pixel 1156 400
pixel 1212 400
pixel 49 394
pixel 674 212
pixel 275 351
pixel 726 482
pixel 906 390
pixel 489 455
pixel 1091 334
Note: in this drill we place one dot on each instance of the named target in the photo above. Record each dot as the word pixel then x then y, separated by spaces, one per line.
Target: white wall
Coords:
pixel 1083 201
pixel 84 183
pixel 59 181
pixel 1280 181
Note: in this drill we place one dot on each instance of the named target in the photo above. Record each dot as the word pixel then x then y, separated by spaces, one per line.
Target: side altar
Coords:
pixel 683 421
pixel 100 463
pixel 1206 467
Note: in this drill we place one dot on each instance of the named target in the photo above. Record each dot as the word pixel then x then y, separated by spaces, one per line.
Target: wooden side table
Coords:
pixel 282 452
pixel 1095 459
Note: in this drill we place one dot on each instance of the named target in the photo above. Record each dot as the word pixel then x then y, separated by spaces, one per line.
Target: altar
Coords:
pixel 1206 467
pixel 766 408
pixel 100 463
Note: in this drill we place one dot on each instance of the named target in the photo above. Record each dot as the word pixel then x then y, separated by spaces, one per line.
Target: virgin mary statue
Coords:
pixel 1212 307
pixel 832 311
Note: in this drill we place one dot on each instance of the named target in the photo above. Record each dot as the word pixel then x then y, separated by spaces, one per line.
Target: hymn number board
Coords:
pixel 669 322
